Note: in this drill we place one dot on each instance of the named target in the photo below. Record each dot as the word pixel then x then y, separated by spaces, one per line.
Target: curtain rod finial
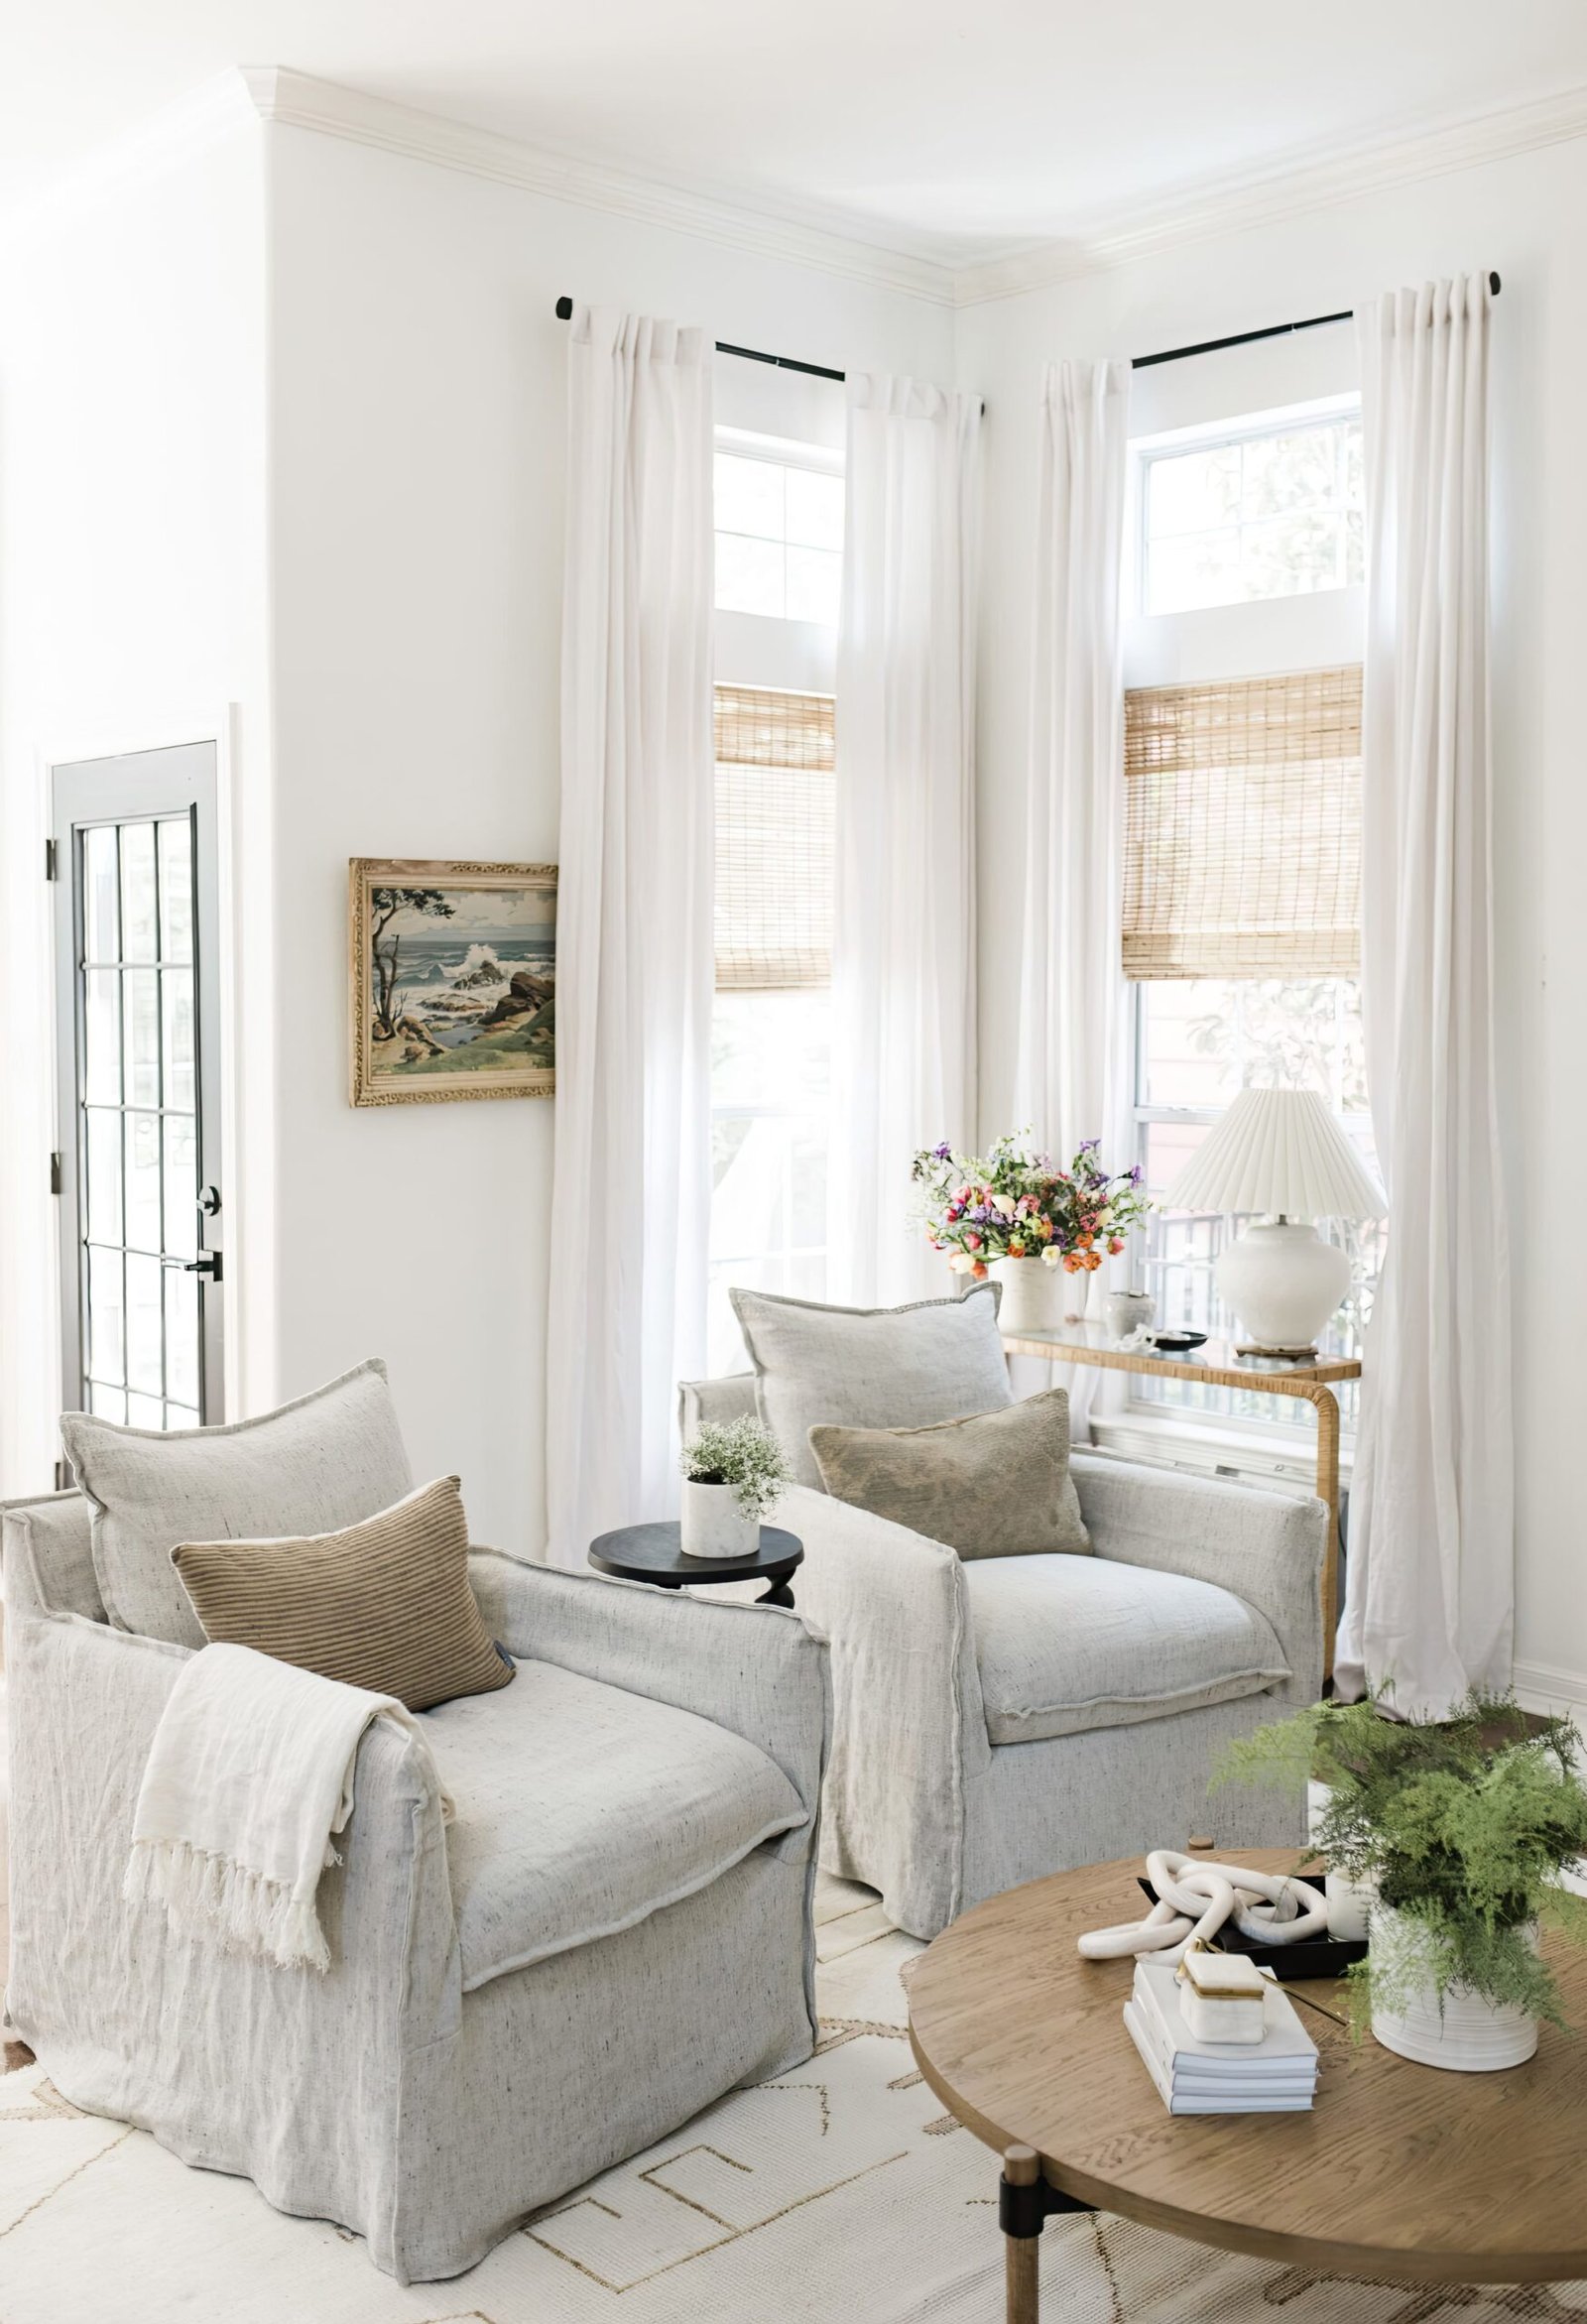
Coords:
pixel 564 310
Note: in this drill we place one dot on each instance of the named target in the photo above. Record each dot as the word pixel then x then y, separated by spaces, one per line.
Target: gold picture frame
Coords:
pixel 451 979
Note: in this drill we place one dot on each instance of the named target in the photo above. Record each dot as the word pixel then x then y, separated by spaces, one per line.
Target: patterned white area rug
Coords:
pixel 836 2192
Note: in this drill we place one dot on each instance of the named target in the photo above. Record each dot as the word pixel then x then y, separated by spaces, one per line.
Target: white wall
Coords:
pixel 416 427
pixel 1520 216
pixel 132 610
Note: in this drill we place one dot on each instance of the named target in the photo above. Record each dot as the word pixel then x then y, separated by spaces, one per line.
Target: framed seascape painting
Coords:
pixel 454 980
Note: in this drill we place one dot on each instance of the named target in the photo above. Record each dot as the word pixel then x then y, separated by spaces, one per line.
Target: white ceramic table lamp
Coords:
pixel 1281 1153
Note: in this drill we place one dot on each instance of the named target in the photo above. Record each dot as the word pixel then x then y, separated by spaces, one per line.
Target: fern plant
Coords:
pixel 1463 1827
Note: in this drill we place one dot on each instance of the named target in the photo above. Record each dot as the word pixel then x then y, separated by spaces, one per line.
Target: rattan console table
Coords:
pixel 1217 1366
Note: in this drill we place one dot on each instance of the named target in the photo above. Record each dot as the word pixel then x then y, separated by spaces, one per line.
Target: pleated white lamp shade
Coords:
pixel 1278 1151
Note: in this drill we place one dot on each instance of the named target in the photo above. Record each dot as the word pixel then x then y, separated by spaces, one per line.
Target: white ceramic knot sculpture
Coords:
pixel 1195 1898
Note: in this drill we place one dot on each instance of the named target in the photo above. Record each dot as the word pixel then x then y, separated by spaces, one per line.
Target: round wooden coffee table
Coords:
pixel 1402 2172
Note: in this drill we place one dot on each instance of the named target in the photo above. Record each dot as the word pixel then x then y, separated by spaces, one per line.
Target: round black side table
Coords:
pixel 655 1554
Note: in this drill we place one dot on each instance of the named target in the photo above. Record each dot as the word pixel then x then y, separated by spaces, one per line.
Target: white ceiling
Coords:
pixel 955 129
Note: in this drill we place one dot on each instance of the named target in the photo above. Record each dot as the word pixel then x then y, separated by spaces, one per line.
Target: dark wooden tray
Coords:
pixel 1324 1957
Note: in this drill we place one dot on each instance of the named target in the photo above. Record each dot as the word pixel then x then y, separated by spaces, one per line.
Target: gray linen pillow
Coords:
pixel 318 1463
pixel 385 1604
pixel 993 1485
pixel 870 1367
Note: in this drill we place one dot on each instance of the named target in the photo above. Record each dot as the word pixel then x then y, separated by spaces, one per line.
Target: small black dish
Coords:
pixel 1322 1957
pixel 1178 1343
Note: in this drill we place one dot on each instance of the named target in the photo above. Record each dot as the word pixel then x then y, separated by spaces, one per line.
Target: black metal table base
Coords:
pixel 1024 2211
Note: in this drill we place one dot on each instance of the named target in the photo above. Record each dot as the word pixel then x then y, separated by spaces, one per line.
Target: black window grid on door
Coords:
pixel 139 1089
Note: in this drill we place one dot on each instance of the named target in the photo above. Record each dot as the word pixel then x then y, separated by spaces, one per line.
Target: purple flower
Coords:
pixel 942 1153
pixel 1136 1176
pixel 1089 1145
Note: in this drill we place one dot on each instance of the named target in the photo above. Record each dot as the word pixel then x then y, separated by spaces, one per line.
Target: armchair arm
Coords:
pixel 756 1671
pixel 908 1723
pixel 132 2020
pixel 1264 1547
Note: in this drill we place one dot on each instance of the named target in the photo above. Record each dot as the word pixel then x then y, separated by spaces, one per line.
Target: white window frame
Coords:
pixel 1245 638
pixel 1216 436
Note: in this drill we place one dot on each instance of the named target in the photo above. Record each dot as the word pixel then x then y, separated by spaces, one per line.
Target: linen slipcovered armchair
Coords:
pixel 1002 1718
pixel 614 1930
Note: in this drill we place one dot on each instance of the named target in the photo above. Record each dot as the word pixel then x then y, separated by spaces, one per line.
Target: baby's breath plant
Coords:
pixel 1463 1826
pixel 743 1454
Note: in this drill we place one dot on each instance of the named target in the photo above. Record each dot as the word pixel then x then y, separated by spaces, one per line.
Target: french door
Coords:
pixel 138 1174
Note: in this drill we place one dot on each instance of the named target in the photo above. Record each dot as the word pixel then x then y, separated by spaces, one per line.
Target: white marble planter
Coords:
pixel 713 1525
pixel 1464 2033
pixel 1032 1295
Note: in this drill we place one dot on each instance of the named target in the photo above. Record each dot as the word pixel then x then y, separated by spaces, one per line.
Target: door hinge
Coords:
pixel 55 1174
pixel 52 859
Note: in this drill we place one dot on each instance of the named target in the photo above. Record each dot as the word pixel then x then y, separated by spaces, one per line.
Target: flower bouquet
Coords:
pixel 1011 1205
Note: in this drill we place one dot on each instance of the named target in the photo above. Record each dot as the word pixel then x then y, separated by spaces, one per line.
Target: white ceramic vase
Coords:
pixel 713 1525
pixel 1126 1311
pixel 1033 1296
pixel 1464 2033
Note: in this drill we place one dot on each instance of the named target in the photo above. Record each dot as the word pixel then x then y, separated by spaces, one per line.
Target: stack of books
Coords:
pixel 1276 2075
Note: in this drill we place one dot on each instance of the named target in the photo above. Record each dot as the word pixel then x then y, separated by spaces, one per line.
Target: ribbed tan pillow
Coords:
pixel 385 1604
pixel 992 1485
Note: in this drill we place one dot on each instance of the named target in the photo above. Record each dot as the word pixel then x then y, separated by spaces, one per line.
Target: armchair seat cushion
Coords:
pixel 582 1809
pixel 1066 1645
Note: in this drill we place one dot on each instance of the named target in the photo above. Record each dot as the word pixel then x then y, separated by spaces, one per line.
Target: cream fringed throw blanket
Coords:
pixel 250 1775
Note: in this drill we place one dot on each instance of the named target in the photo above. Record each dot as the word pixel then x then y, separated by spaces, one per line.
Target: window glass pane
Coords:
pixel 180 1417
pixel 143 1181
pixel 750 496
pixel 175 1008
pixel 175 891
pixel 1191 492
pixel 110 1403
pixel 749 576
pixel 180 1187
pixel 145 1334
pixel 138 916
pixel 815 584
pixel 101 1027
pixel 814 508
pixel 103 1154
pixel 101 919
pixel 770 1083
pixel 140 1024
pixel 182 1335
pixel 1299 470
pixel 1267 515
pixel 105 1341
pixel 145 1411
pixel 1193 570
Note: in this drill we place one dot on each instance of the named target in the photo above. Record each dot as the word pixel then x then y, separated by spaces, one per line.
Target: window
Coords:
pixel 779 529
pixel 778 557
pixel 1269 512
pixel 1241 921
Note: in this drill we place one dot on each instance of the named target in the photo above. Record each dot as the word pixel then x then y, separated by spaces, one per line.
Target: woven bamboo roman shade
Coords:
pixel 1242 848
pixel 775 755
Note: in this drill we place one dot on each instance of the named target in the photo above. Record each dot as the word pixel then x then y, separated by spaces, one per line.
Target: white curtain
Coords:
pixel 904 942
pixel 1071 1064
pixel 631 1207
pixel 1428 1609
pixel 1070 1067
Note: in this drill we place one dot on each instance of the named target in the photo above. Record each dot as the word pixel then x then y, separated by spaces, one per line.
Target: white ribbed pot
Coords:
pixel 1032 1295
pixel 713 1525
pixel 1464 2033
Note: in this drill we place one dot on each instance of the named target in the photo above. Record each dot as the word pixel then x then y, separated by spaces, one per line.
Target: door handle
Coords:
pixel 207 1262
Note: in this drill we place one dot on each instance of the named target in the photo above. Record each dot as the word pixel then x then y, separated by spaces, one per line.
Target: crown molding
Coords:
pixel 177 133
pixel 297 101
pixel 1234 203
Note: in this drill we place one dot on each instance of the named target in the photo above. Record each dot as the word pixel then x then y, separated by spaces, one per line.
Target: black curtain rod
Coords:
pixel 1275 331
pixel 564 310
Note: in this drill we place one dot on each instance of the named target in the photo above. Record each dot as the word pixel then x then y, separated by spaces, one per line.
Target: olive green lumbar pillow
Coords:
pixel 992 1485
pixel 384 1604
